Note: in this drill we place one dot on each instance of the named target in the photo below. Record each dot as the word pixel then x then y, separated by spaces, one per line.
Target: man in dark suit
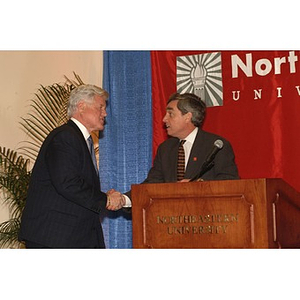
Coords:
pixel 184 117
pixel 64 197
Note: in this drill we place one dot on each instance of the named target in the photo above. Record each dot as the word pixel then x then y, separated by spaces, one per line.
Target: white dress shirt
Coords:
pixel 189 144
pixel 83 129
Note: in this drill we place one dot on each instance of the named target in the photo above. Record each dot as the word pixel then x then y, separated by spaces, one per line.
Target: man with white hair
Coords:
pixel 64 197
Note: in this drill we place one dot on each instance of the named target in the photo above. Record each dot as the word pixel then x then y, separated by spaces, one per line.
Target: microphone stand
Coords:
pixel 205 167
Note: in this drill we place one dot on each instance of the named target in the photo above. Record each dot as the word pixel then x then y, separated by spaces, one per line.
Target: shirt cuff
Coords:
pixel 127 201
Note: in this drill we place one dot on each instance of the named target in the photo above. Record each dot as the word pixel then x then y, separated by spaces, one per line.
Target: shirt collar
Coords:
pixel 82 128
pixel 191 137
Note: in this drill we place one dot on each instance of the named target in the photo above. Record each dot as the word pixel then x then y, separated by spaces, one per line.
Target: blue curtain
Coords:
pixel 125 146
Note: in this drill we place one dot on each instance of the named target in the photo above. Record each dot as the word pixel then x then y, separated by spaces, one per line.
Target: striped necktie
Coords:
pixel 181 161
pixel 92 151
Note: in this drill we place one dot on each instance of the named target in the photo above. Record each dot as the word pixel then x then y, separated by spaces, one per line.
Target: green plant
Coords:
pixel 14 180
pixel 48 112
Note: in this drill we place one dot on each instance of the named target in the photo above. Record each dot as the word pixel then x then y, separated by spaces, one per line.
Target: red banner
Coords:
pixel 260 111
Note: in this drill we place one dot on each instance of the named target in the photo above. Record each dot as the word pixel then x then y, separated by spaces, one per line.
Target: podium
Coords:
pixel 245 213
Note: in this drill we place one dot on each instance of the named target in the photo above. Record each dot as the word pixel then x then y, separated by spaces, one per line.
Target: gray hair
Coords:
pixel 190 103
pixel 87 93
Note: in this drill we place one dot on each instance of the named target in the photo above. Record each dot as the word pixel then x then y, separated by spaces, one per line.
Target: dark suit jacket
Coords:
pixel 64 197
pixel 165 163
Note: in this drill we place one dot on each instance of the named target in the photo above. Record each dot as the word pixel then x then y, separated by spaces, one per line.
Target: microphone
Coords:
pixel 209 161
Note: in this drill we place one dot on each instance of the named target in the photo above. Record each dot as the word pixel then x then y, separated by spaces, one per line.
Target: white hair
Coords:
pixel 86 93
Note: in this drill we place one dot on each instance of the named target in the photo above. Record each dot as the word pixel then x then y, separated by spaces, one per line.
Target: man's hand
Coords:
pixel 188 180
pixel 115 200
pixel 184 180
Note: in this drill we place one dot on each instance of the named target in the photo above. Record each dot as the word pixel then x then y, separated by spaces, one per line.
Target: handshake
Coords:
pixel 115 200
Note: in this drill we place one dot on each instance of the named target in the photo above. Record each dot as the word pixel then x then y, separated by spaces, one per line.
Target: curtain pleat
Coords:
pixel 125 146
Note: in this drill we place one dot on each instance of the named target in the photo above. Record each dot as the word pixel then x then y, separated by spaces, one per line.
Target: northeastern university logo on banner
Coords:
pixel 201 74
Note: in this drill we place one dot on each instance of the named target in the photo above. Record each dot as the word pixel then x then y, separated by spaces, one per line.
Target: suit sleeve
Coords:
pixel 156 174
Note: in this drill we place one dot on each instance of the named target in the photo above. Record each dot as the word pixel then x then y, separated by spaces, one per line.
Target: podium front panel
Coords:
pixel 218 214
pixel 198 222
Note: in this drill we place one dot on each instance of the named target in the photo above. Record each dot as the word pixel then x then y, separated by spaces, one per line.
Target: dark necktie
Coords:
pixel 181 161
pixel 92 151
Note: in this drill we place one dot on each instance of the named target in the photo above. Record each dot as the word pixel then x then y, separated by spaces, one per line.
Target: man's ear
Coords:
pixel 81 106
pixel 188 116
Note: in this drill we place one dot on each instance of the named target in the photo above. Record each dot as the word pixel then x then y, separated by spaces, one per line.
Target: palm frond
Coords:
pixel 14 179
pixel 49 110
pixel 73 83
pixel 9 233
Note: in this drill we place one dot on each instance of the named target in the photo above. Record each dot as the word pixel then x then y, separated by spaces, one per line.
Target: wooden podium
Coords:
pixel 252 213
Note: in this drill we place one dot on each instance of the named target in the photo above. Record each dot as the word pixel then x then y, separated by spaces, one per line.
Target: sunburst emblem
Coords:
pixel 201 75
